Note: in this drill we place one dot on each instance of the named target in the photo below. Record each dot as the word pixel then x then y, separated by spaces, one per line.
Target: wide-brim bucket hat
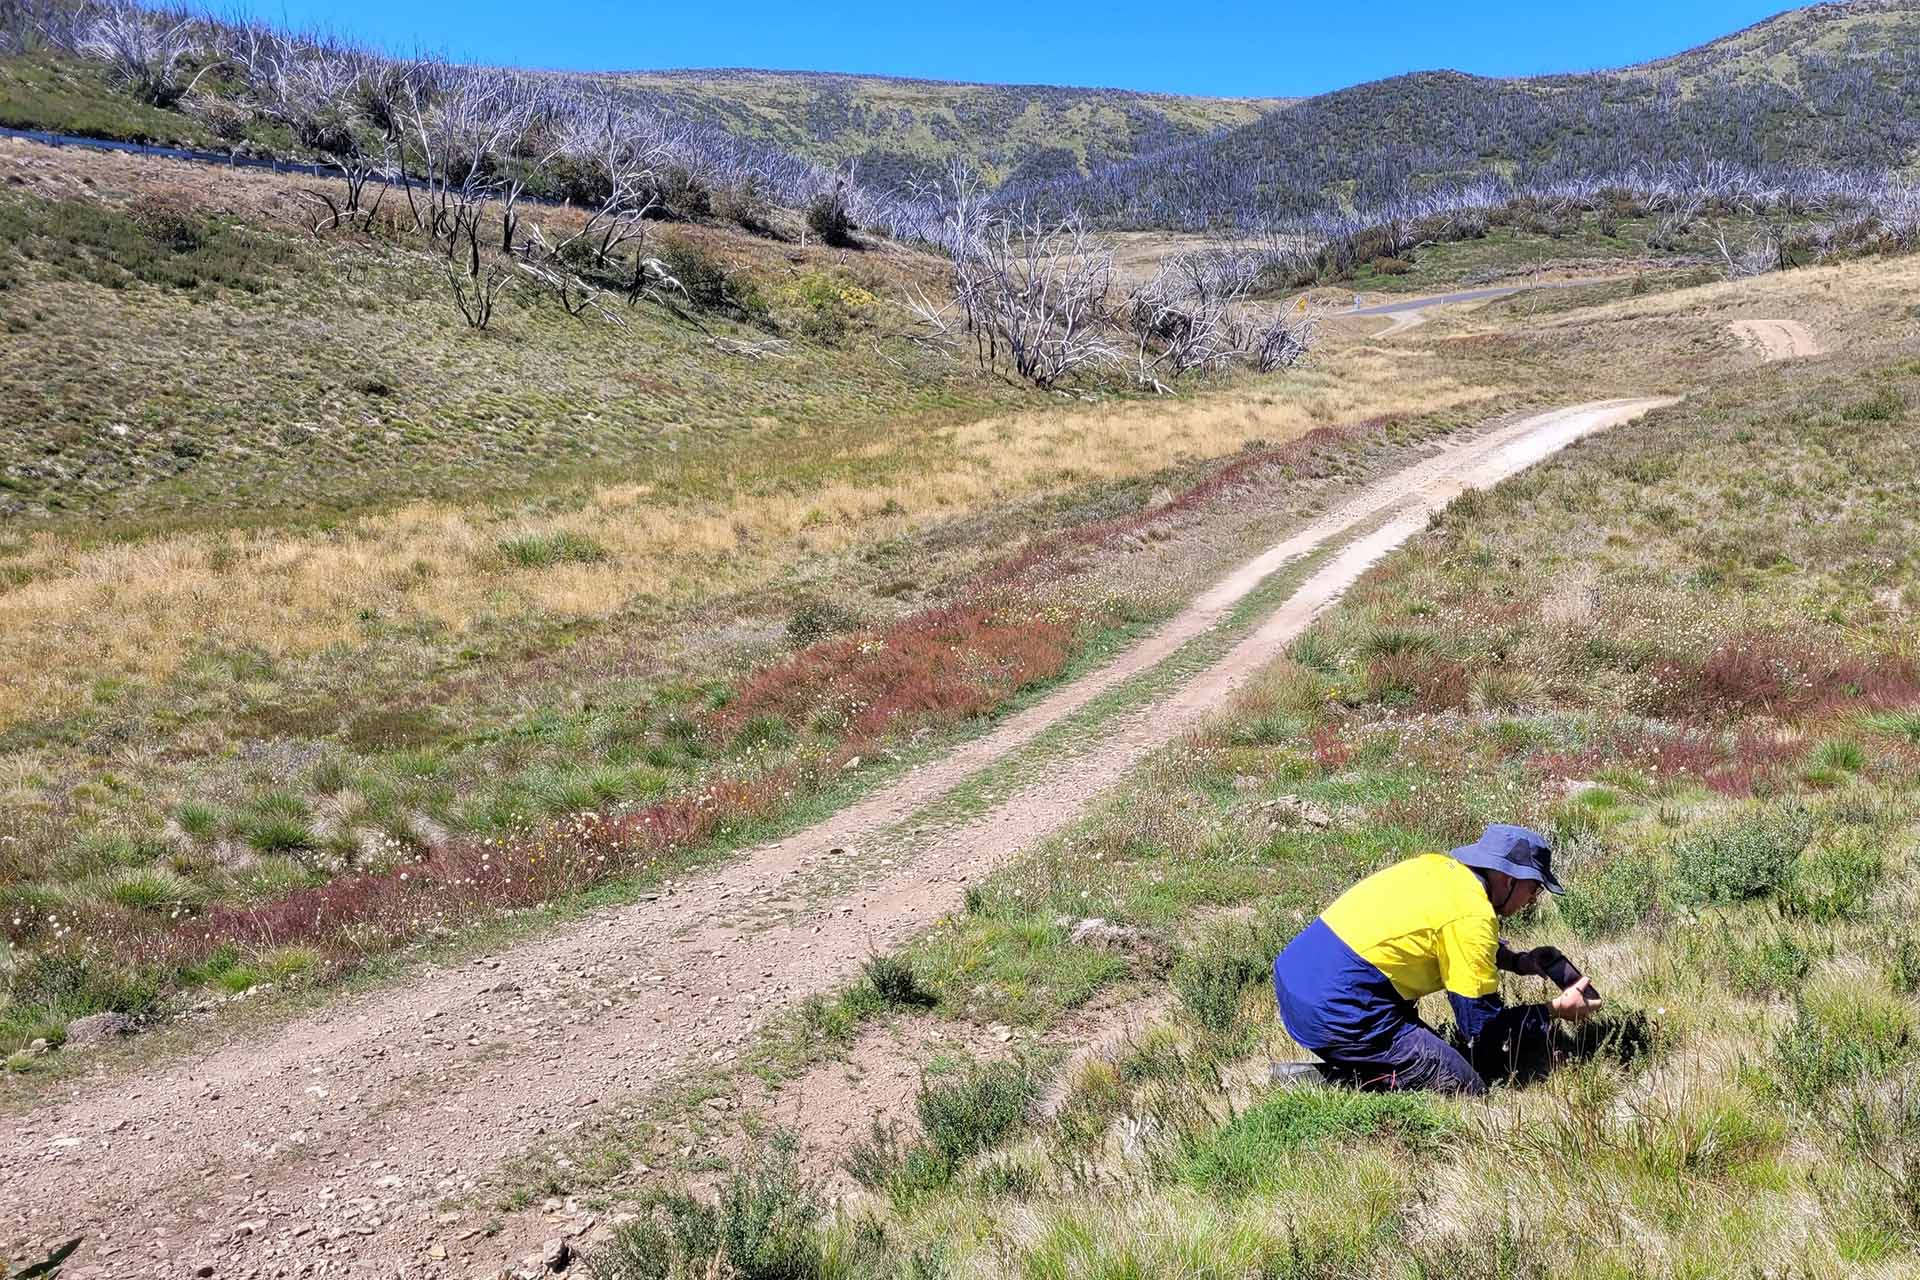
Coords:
pixel 1521 852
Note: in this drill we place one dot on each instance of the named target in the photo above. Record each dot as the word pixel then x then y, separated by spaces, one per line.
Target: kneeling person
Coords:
pixel 1347 984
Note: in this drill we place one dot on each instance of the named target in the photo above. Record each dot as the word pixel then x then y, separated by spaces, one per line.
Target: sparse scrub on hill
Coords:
pixel 1031 290
pixel 362 114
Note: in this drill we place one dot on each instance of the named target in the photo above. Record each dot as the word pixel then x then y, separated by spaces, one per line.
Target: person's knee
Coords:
pixel 1432 1063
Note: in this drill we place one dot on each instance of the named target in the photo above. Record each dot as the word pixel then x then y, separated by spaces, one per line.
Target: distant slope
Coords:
pixel 896 129
pixel 1835 86
pixel 1779 48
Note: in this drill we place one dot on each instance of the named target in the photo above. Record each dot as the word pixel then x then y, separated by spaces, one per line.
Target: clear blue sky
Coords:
pixel 1279 48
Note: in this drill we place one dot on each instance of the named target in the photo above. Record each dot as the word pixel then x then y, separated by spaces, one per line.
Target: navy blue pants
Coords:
pixel 1512 1044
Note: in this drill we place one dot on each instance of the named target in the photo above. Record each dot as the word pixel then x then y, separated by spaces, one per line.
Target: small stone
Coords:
pixel 97 1028
pixel 438 1253
pixel 556 1253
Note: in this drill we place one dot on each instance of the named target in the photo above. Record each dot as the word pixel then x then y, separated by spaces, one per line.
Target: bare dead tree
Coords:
pixel 454 123
pixel 1041 283
pixel 1031 288
pixel 617 164
pixel 1184 319
pixel 329 97
pixel 476 279
pixel 145 48
pixel 540 262
pixel 529 136
pixel 1764 251
pixel 1285 339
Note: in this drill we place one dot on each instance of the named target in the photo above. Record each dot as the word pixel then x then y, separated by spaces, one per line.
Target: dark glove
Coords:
pixel 1543 962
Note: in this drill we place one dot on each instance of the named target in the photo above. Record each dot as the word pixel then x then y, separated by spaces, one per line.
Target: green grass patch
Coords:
pixel 544 550
pixel 1243 1154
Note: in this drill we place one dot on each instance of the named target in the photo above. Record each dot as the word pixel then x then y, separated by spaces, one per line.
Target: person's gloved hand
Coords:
pixel 1576 1003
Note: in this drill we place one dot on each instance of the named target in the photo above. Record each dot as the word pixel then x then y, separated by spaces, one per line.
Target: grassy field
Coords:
pixel 272 624
pixel 1645 646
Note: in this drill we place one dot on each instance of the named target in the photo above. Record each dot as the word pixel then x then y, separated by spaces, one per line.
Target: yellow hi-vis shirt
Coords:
pixel 1425 924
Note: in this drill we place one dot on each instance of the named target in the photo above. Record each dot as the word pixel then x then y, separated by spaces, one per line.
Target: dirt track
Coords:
pixel 1778 339
pixel 325 1149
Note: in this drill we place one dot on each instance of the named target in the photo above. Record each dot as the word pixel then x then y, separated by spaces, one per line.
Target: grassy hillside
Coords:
pixel 1780 48
pixel 896 130
pixel 1829 87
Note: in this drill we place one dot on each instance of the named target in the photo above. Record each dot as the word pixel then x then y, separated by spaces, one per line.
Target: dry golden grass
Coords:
pixel 138 609
pixel 1867 296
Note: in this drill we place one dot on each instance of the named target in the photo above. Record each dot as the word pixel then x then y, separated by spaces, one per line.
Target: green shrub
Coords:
pixel 904 1172
pixel 1233 1160
pixel 768 1218
pixel 1837 1036
pixel 1750 857
pixel 1884 405
pixel 680 194
pixel 709 285
pixel 1213 974
pixel 764 1226
pixel 45 990
pixel 830 218
pixel 670 1237
pixel 1900 958
pixel 1836 878
pixel 895 983
pixel 763 731
pixel 815 620
pixel 1007 1180
pixel 1612 897
pixel 827 308
pixel 745 204
pixel 1509 1253
pixel 986 1103
pixel 1771 965
pixel 544 550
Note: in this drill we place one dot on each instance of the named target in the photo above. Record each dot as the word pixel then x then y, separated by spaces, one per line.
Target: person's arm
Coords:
pixel 1540 962
pixel 1469 951
pixel 1471 1016
pixel 1577 995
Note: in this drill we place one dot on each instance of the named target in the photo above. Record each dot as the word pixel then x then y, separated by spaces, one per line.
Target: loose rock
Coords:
pixel 97 1028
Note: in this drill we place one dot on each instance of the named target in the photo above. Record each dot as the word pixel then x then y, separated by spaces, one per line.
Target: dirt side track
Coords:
pixel 326 1149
